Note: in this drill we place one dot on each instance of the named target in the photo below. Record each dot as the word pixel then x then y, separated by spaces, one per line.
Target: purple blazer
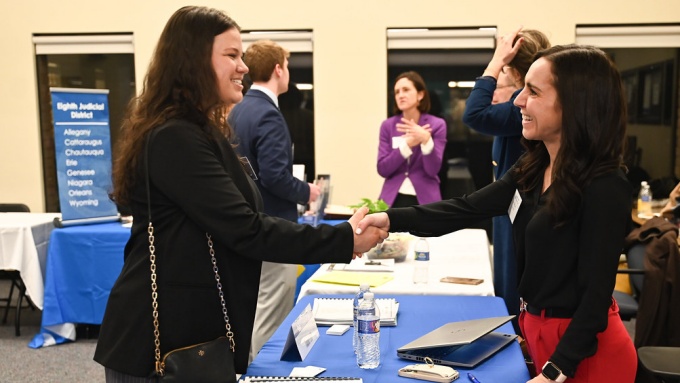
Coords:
pixel 421 169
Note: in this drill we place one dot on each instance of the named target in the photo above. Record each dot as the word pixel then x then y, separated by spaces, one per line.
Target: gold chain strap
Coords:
pixel 154 297
pixel 230 335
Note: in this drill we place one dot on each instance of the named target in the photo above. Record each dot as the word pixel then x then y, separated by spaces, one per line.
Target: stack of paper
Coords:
pixel 330 311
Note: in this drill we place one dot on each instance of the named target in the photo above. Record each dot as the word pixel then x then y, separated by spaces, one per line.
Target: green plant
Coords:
pixel 373 206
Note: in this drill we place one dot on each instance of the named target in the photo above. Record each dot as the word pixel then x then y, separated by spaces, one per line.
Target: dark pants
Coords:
pixel 405 200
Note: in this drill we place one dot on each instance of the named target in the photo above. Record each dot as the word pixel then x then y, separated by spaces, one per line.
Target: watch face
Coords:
pixel 550 371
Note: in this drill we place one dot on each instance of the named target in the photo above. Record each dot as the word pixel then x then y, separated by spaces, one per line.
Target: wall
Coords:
pixel 350 64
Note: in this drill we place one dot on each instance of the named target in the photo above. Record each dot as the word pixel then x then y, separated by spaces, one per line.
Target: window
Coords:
pixel 449 60
pixel 647 56
pixel 94 61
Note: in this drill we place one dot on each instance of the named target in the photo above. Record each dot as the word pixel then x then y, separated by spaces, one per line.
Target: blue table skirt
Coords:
pixel 417 316
pixel 83 262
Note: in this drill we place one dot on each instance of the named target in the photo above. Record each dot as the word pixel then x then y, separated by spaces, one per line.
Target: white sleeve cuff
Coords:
pixel 427 147
pixel 405 150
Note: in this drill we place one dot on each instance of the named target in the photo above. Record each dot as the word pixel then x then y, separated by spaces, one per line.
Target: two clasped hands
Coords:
pixel 414 134
pixel 369 230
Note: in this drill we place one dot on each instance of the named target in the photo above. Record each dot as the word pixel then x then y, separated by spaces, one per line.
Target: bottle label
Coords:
pixel 422 255
pixel 645 198
pixel 371 326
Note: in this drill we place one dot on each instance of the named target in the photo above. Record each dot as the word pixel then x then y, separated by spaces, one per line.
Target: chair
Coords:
pixel 14 208
pixel 14 276
pixel 628 304
pixel 662 362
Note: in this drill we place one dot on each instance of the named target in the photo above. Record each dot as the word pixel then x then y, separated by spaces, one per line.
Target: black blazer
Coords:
pixel 199 186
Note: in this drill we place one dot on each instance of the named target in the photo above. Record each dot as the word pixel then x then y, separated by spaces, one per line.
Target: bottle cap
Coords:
pixel 368 295
pixel 364 286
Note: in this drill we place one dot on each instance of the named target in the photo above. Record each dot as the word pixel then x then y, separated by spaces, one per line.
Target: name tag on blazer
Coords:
pixel 248 168
pixel 514 206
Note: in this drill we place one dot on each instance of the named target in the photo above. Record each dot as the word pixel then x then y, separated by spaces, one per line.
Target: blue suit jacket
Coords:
pixel 503 121
pixel 263 137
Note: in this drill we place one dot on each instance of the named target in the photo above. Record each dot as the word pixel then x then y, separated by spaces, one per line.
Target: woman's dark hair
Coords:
pixel 593 132
pixel 180 83
pixel 419 84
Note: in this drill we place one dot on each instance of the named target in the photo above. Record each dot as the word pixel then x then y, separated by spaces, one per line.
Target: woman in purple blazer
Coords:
pixel 411 147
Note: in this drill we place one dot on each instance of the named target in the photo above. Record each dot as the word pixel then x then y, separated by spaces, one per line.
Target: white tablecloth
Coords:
pixel 464 253
pixel 24 238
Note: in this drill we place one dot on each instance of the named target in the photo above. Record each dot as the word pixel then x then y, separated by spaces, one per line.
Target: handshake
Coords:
pixel 369 230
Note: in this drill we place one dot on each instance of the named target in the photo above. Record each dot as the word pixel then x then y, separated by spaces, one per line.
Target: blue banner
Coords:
pixel 83 152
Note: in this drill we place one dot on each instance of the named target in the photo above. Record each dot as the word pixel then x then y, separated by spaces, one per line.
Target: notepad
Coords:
pixel 354 278
pixel 271 379
pixel 330 311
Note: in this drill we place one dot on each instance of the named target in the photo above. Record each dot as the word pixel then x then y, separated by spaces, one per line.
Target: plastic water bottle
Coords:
pixel 368 342
pixel 421 268
pixel 645 200
pixel 363 288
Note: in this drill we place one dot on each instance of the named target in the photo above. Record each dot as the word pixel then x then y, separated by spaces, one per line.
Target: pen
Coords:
pixel 472 378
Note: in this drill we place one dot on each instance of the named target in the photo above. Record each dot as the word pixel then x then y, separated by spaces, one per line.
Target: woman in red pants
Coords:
pixel 569 203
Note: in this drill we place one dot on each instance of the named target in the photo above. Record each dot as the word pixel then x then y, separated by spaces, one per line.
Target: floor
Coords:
pixel 70 362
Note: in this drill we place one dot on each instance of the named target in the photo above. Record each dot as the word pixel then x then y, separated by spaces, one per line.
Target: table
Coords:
pixel 640 220
pixel 417 316
pixel 464 253
pixel 83 262
pixel 23 247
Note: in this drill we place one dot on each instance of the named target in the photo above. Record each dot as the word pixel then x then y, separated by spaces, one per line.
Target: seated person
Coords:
pixel 667 211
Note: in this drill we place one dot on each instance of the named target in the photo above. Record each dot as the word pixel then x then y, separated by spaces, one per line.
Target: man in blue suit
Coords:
pixel 262 136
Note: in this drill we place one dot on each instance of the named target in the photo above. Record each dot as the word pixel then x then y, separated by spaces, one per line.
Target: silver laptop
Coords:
pixel 460 344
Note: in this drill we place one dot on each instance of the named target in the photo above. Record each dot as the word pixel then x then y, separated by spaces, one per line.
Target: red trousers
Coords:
pixel 614 361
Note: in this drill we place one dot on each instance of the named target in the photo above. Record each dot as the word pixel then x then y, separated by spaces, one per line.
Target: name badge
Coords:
pixel 248 168
pixel 514 206
pixel 396 141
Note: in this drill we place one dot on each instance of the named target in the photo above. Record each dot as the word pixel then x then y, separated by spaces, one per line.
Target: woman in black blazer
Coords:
pixel 197 185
